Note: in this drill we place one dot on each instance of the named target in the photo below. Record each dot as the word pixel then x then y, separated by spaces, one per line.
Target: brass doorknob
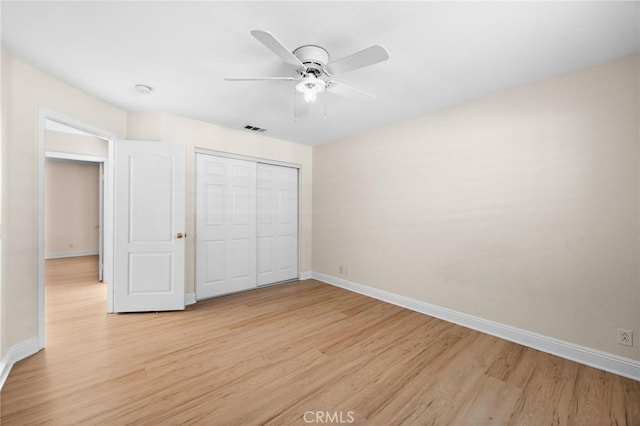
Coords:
pixel 179 235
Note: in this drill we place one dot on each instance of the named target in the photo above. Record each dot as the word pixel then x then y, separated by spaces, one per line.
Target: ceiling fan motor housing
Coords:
pixel 313 57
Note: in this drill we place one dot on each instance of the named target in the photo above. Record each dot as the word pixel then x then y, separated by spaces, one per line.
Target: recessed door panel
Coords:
pixel 214 168
pixel 214 205
pixel 241 203
pixel 150 273
pixel 265 255
pixel 241 257
pixel 286 207
pixel 243 172
pixel 150 193
pixel 265 206
pixel 285 258
pixel 215 260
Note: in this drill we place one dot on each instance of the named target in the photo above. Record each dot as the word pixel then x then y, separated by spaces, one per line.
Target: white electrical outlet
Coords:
pixel 341 270
pixel 625 337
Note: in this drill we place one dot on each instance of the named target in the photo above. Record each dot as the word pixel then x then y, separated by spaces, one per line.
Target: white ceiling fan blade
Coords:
pixel 369 56
pixel 347 91
pixel 262 79
pixel 273 44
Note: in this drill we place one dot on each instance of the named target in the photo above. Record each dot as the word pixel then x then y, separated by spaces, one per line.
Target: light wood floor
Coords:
pixel 272 355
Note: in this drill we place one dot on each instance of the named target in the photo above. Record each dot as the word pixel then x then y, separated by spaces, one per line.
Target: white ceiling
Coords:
pixel 441 53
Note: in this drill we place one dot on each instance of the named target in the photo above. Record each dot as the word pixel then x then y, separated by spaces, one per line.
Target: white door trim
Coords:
pixel 75 157
pixel 101 204
pixel 43 115
pixel 246 158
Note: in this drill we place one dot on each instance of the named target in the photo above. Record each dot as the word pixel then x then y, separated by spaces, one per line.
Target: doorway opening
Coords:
pixel 75 208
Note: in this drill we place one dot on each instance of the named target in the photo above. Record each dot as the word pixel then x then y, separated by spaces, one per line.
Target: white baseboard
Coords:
pixel 17 353
pixel 189 299
pixel 592 357
pixel 75 253
pixel 307 275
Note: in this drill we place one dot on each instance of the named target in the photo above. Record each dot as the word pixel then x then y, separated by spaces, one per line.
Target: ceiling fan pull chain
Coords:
pixel 295 106
pixel 324 98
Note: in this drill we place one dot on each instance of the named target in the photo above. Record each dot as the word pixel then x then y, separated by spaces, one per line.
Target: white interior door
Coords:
pixel 149 226
pixel 225 225
pixel 277 224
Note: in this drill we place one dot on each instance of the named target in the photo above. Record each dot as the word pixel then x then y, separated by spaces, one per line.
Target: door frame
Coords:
pixel 224 154
pixel 43 115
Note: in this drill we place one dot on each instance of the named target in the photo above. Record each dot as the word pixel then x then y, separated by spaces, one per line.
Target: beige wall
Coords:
pixel 196 134
pixel 25 90
pixel 521 207
pixel 71 207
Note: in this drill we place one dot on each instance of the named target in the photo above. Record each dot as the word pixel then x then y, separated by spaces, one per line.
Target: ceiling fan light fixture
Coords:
pixel 310 87
pixel 310 97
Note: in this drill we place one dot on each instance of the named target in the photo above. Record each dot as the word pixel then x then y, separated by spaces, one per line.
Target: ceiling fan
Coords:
pixel 315 71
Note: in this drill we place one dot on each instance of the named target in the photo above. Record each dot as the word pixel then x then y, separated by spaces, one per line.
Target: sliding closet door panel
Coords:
pixel 226 225
pixel 288 223
pixel 277 223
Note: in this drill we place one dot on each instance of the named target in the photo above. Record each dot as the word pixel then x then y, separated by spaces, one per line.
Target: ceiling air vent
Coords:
pixel 255 129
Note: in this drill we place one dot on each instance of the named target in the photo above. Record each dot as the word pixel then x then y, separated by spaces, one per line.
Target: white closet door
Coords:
pixel 277 224
pixel 225 225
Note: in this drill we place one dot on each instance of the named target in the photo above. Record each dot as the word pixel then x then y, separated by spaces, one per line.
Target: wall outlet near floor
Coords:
pixel 625 337
pixel 341 270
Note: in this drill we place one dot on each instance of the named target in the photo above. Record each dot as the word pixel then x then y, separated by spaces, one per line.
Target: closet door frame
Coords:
pixel 257 160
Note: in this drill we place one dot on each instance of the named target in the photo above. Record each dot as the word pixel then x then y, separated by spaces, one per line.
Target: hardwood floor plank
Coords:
pixel 599 399
pixel 277 354
pixel 631 399
pixel 540 402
